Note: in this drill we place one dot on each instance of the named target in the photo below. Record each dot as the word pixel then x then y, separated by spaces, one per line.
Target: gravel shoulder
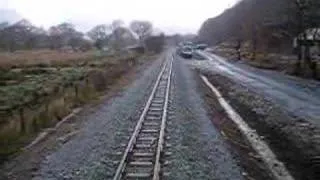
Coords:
pixel 198 149
pixel 294 139
pixel 81 148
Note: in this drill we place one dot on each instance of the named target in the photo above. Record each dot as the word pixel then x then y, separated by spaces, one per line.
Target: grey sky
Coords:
pixel 169 15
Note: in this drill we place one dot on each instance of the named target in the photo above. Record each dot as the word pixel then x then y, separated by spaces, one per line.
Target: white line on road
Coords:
pixel 277 168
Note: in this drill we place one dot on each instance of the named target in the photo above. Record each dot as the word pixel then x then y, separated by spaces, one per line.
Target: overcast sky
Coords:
pixel 184 16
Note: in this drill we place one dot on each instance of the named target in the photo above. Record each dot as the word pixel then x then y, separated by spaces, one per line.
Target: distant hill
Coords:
pixel 8 15
pixel 269 18
pixel 3 25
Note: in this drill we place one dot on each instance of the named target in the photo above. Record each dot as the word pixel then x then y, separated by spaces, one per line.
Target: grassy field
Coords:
pixel 38 88
pixel 41 58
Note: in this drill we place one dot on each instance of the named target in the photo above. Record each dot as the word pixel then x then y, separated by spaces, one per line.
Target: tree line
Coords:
pixel 23 36
pixel 269 26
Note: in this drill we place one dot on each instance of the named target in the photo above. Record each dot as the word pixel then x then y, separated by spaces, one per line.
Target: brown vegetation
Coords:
pixel 43 57
pixel 44 74
pixel 37 93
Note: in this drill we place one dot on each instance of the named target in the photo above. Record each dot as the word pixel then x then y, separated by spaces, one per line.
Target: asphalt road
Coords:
pixel 298 96
pixel 284 110
pixel 198 150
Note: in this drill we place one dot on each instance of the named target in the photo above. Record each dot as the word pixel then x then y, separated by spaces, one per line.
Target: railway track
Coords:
pixel 142 158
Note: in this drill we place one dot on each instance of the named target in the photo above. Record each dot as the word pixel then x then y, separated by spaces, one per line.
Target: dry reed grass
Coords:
pixel 43 57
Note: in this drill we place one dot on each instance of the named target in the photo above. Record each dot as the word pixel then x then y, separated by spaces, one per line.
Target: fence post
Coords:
pixel 22 121
pixel 76 90
pixel 87 81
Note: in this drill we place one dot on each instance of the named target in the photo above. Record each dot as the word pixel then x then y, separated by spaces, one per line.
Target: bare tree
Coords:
pixel 142 28
pixel 99 32
pixel 64 34
pixel 122 37
pixel 24 35
pixel 116 24
pixel 55 38
pixel 18 36
pixel 100 35
pixel 76 40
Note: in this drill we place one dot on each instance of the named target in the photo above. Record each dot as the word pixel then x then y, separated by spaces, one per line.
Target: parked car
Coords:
pixel 201 46
pixel 186 52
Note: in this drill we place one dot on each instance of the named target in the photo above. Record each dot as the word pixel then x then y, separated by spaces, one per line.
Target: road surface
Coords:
pixel 284 110
pixel 298 96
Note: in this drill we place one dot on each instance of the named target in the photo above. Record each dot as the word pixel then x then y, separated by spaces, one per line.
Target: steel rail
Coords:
pixel 157 166
pixel 122 165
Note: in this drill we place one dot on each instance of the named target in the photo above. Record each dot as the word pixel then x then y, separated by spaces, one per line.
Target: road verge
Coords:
pixel 276 167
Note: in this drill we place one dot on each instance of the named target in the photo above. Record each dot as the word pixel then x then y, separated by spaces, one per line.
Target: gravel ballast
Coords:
pixel 92 153
pixel 93 150
pixel 199 152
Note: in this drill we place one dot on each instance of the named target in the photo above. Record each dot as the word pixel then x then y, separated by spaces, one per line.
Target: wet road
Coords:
pixel 198 150
pixel 298 96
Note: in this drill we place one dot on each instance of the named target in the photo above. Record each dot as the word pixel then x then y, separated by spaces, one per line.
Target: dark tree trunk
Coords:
pixel 313 68
pixel 297 70
pixel 254 42
pixel 238 49
pixel 300 26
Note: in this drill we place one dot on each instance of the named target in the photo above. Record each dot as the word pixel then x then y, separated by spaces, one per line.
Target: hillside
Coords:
pixel 268 18
pixel 274 34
